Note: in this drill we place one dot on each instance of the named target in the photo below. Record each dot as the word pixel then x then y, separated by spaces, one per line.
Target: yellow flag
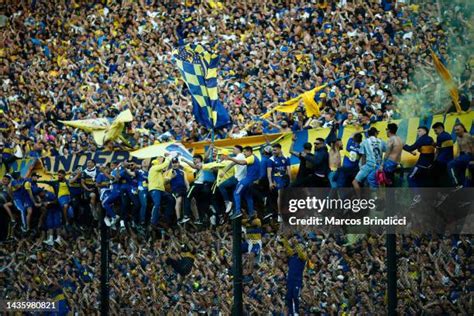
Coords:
pixel 290 106
pixel 448 80
pixel 89 125
pixel 312 108
pixel 101 129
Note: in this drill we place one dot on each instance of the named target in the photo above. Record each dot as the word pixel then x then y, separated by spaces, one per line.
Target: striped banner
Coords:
pixel 407 130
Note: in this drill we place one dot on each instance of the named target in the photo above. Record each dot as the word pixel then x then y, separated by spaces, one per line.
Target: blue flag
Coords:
pixel 198 68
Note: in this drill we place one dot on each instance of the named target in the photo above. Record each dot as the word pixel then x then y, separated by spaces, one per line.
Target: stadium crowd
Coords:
pixel 435 275
pixel 183 271
pixel 87 60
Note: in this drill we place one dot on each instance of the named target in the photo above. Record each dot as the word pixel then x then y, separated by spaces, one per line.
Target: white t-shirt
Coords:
pixel 240 170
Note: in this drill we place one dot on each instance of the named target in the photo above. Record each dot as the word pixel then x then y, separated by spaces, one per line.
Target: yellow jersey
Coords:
pixel 63 189
pixel 156 179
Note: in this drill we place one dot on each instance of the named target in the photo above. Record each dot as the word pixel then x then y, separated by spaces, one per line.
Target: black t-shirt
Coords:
pixel 306 167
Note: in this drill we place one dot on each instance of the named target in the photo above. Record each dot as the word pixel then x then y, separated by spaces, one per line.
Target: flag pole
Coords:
pixel 212 142
pixel 104 267
pixel 237 308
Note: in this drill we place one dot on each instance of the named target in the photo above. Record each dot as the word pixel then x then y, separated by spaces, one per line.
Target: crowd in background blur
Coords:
pixel 435 275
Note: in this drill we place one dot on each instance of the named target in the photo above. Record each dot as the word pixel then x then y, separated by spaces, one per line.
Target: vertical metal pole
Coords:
pixel 391 274
pixel 237 309
pixel 104 268
pixel 391 244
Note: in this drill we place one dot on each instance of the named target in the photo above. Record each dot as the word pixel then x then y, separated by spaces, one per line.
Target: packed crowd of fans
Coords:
pixel 435 275
pixel 80 61
pixel 152 206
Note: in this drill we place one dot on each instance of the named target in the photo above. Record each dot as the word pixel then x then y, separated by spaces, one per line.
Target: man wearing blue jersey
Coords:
pixel 62 192
pixel 350 162
pixel 142 178
pixel 128 191
pixel 51 211
pixel 253 240
pixel 261 189
pixel 420 175
pixel 278 173
pixel 22 199
pixel 76 197
pixel 458 166
pixel 242 189
pixel 297 258
pixel 6 202
pixel 443 155
pixel 33 180
pixel 110 196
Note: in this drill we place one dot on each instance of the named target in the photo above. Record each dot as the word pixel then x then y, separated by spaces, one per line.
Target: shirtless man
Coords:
pixel 394 151
pixel 334 161
pixel 457 167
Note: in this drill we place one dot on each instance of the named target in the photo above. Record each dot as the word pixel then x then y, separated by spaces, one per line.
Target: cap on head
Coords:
pixel 267 149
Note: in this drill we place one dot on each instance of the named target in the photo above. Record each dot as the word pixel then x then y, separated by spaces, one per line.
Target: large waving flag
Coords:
pixel 448 80
pixel 104 129
pixel 290 106
pixel 198 68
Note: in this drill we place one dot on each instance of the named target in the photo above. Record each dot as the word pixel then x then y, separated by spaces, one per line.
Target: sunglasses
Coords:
pixel 318 143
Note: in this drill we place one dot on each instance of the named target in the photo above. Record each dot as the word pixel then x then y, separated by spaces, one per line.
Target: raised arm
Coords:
pixel 289 250
pixel 292 152
pixel 161 166
pixel 76 177
pixel 411 148
pixel 242 162
pixel 209 152
pixel 48 182
pixel 317 159
pixel 229 166
pixel 191 164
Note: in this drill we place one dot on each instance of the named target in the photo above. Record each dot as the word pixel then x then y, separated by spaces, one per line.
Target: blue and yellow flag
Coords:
pixel 198 68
